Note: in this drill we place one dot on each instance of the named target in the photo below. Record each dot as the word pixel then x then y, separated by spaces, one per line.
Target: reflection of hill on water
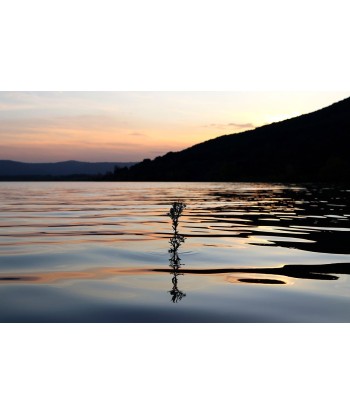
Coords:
pixel 311 272
pixel 321 272
pixel 320 215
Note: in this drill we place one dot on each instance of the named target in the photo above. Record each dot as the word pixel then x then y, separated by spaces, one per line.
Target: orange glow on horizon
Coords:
pixel 60 143
pixel 131 126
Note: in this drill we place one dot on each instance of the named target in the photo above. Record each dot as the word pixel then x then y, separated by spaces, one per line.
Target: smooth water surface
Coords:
pixel 99 252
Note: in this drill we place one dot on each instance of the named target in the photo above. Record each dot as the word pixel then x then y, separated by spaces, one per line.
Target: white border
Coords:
pixel 189 45
pixel 183 45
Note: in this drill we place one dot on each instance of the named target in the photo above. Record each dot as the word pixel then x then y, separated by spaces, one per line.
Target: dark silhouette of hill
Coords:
pixel 311 147
pixel 9 168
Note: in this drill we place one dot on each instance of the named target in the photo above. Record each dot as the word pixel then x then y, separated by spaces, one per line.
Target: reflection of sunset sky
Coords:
pixel 130 126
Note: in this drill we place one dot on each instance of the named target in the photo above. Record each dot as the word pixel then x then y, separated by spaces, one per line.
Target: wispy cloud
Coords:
pixel 136 134
pixel 235 125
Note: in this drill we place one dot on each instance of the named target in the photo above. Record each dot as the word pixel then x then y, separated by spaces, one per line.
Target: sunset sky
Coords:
pixel 131 126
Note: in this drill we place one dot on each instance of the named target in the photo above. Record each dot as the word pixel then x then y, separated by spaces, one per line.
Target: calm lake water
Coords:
pixel 99 252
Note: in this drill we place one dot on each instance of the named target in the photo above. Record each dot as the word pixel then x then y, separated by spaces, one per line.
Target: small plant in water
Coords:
pixel 175 213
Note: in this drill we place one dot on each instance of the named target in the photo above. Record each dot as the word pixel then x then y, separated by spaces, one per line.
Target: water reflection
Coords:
pixel 254 252
pixel 320 215
pixel 321 272
pixel 260 281
pixel 175 242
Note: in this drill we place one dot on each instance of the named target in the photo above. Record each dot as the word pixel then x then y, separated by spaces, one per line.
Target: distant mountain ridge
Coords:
pixel 311 147
pixel 9 168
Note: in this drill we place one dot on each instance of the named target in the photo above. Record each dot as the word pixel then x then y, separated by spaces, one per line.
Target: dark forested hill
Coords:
pixel 311 147
pixel 9 168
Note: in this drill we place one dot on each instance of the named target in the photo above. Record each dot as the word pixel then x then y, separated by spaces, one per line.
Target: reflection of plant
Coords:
pixel 175 242
pixel 176 294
